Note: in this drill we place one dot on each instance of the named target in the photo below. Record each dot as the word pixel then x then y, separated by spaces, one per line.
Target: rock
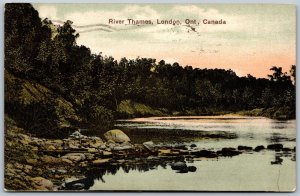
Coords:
pixel 18 166
pixel 174 153
pixel 27 168
pixel 77 135
pixel 228 152
pixel 83 164
pixel 193 145
pixel 153 158
pixel 74 157
pixel 286 149
pixel 275 146
pixel 228 149
pixel 121 161
pixel 149 145
pixel 192 168
pixel 244 148
pixel 123 146
pixel 89 156
pixel 37 143
pixel 35 148
pixel 78 186
pixel 100 161
pixel 259 148
pixel 106 153
pixel 183 170
pixel 92 150
pixel 62 171
pixel 96 144
pixel 73 146
pixel 204 153
pixel 9 166
pixel 58 141
pixel 23 137
pixel 50 159
pixel 51 148
pixel 184 152
pixel 117 148
pixel 116 135
pixel 164 151
pixel 58 177
pixel 110 142
pixel 42 183
pixel 67 161
pixel 178 165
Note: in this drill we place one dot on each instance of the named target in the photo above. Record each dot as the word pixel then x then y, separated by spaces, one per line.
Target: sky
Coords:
pixel 254 38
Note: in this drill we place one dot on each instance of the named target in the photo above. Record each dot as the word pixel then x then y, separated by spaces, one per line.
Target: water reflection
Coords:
pixel 212 134
pixel 287 153
pixel 97 173
pixel 178 164
pixel 139 135
pixel 279 138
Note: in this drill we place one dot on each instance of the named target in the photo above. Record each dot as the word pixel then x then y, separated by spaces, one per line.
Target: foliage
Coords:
pixel 99 87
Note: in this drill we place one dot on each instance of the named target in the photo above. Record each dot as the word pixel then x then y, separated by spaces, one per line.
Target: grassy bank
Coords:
pixel 280 113
pixel 131 109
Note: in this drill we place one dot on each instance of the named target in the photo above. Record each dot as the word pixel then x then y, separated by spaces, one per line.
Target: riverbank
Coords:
pixel 128 109
pixel 41 164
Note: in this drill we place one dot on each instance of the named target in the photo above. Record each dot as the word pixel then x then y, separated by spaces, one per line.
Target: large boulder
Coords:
pixel 116 135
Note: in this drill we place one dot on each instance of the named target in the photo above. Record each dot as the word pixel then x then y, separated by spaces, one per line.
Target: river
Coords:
pixel 251 171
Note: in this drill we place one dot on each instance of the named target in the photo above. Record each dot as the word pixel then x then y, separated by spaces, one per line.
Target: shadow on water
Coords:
pixel 174 135
pixel 279 156
pixel 203 118
pixel 93 174
pixel 177 164
pixel 277 138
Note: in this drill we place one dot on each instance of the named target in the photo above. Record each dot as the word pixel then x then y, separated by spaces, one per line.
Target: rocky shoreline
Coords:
pixel 54 161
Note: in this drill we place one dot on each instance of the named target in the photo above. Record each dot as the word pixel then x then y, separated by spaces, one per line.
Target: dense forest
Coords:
pixel 52 84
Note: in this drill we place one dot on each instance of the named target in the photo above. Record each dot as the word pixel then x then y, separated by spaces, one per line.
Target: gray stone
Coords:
pixel 149 145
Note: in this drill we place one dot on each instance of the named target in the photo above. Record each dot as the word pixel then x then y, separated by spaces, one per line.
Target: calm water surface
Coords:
pixel 253 171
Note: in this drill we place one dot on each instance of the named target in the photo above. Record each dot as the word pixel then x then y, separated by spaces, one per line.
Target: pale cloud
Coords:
pixel 47 11
pixel 252 34
pixel 102 16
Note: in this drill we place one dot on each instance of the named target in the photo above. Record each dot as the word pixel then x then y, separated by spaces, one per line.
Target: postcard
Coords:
pixel 150 97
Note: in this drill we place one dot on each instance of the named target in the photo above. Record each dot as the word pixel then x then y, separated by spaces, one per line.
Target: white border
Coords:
pixel 2 3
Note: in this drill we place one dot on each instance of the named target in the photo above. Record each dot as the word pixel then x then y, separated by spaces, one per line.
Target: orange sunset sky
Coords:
pixel 254 38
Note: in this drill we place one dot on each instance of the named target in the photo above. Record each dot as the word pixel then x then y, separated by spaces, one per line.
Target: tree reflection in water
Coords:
pixel 97 173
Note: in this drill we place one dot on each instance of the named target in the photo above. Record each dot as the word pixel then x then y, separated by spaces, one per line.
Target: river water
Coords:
pixel 252 171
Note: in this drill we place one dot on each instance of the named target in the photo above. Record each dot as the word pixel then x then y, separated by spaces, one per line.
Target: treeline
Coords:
pixel 96 85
